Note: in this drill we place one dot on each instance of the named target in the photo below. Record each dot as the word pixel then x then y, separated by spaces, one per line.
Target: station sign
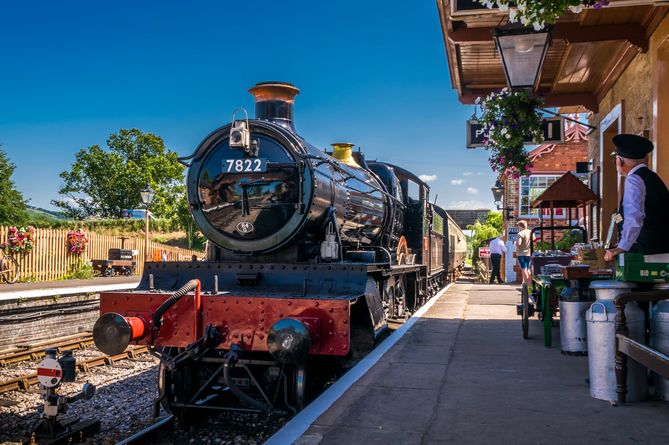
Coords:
pixel 513 233
pixel 484 252
pixel 553 132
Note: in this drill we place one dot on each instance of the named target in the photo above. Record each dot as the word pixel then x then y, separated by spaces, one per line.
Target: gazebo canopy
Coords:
pixel 568 191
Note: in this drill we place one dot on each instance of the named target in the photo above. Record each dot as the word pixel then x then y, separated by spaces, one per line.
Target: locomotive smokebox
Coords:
pixel 274 102
pixel 288 341
pixel 112 332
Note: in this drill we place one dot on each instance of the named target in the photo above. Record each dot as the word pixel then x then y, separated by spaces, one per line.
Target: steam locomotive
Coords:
pixel 310 254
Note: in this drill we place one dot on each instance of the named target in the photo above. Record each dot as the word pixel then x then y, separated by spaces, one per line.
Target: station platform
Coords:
pixel 66 287
pixel 463 374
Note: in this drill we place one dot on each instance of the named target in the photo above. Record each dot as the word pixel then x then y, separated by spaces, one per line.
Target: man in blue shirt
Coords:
pixel 497 249
pixel 645 202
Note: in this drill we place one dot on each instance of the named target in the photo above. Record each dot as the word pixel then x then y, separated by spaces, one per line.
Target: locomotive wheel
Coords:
pixel 390 296
pixel 525 300
pixel 399 302
pixel 178 386
pixel 127 271
pixel 300 386
pixel 108 272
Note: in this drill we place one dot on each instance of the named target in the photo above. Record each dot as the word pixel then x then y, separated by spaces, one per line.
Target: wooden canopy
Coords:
pixel 589 51
pixel 568 191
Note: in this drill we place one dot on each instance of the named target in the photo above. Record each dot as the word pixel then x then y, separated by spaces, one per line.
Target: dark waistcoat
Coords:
pixel 654 235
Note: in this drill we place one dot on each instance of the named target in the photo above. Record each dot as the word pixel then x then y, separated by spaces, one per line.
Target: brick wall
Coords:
pixel 464 218
pixel 634 89
pixel 562 159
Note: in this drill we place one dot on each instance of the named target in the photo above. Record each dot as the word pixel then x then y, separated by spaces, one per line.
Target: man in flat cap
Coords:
pixel 645 202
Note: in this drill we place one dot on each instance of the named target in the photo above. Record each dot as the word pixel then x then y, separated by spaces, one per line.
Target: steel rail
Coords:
pixel 25 346
pixel 37 350
pixel 25 381
pixel 142 436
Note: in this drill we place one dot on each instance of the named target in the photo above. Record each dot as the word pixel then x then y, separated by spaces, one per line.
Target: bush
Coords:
pixel 483 231
pixel 118 226
pixel 80 270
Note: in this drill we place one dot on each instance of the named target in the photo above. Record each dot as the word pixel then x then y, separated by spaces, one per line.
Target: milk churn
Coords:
pixel 659 338
pixel 574 302
pixel 601 327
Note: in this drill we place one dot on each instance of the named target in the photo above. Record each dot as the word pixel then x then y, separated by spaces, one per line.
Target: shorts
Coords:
pixel 524 262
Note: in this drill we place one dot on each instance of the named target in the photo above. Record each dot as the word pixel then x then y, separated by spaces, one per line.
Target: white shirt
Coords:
pixel 633 208
pixel 497 246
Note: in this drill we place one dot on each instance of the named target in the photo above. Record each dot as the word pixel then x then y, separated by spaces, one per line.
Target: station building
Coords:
pixel 550 162
pixel 609 64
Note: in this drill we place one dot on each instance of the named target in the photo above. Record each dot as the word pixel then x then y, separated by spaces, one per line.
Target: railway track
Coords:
pixel 150 432
pixel 24 382
pixel 36 351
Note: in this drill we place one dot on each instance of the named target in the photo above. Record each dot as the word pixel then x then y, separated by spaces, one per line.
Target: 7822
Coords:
pixel 244 165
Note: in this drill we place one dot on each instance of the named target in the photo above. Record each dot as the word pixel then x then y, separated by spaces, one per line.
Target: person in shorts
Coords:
pixel 523 251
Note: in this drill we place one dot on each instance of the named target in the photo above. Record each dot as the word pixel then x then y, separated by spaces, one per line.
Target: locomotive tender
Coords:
pixel 309 255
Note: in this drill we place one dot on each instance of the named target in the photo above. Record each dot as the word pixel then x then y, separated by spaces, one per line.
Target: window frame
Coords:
pixel 520 198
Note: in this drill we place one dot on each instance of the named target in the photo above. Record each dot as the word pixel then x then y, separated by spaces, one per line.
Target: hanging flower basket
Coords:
pixel 19 240
pixel 510 119
pixel 538 13
pixel 76 242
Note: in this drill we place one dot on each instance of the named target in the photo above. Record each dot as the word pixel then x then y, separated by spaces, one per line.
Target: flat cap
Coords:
pixel 632 146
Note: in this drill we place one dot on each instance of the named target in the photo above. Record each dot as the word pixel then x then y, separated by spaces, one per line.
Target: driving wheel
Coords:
pixel 525 301
pixel 300 386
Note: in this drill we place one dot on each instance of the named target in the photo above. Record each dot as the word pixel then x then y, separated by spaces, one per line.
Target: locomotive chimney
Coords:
pixel 274 102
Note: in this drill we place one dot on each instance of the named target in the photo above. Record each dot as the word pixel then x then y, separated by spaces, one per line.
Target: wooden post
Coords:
pixel 621 359
pixel 146 235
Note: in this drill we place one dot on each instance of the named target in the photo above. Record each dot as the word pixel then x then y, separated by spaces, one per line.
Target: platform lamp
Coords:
pixel 498 193
pixel 523 51
pixel 147 194
pixel 498 196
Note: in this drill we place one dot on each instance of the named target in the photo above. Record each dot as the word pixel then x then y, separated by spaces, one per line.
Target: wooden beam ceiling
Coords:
pixel 569 32
pixel 552 100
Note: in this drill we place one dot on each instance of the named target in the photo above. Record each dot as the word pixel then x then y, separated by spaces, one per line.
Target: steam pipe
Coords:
pixel 176 296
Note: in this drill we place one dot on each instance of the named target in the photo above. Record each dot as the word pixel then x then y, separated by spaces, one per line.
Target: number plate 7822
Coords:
pixel 254 165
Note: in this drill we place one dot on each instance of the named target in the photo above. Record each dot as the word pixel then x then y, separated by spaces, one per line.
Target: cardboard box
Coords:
pixel 593 258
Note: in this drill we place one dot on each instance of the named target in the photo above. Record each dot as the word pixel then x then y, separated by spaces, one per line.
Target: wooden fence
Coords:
pixel 50 259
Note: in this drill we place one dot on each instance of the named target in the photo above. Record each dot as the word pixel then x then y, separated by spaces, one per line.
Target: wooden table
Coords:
pixel 626 347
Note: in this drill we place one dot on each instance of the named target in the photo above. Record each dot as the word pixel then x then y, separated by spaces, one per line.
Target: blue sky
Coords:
pixel 373 73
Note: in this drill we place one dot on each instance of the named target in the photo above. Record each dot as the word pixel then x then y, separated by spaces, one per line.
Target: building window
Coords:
pixel 530 189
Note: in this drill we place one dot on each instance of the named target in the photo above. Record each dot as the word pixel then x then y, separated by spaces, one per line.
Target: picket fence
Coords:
pixel 50 259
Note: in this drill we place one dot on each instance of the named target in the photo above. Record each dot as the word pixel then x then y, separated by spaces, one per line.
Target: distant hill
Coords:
pixel 44 214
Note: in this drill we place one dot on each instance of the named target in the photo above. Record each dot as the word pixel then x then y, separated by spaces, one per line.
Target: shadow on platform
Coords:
pixel 464 375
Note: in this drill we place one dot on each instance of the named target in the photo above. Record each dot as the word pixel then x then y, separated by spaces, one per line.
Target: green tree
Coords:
pixel 12 204
pixel 184 218
pixel 104 182
pixel 482 231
